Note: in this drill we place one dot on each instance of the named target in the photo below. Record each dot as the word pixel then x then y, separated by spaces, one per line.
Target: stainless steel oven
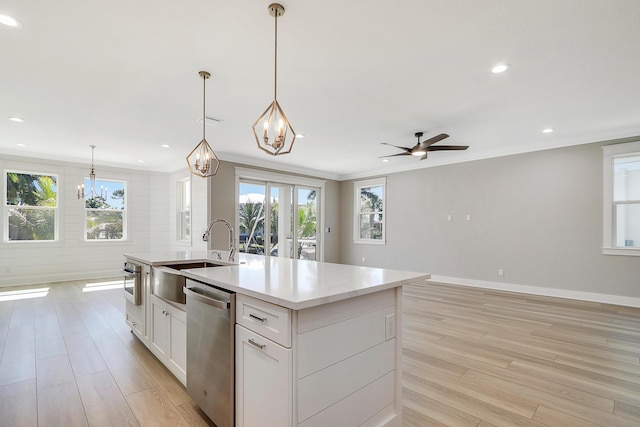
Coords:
pixel 132 282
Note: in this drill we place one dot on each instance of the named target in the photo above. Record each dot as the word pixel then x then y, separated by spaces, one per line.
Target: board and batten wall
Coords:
pixel 151 205
pixel 537 216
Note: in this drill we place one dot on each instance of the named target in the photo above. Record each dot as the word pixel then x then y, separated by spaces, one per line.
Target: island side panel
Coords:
pixel 348 365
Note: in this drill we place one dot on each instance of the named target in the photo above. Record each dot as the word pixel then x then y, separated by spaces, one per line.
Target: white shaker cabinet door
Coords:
pixel 263 381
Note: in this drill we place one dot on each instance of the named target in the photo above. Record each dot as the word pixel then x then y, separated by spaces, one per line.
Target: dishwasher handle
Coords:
pixel 197 294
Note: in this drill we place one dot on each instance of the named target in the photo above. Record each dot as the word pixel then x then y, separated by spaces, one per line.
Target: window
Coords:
pixel 183 214
pixel 369 218
pixel 279 215
pixel 622 199
pixel 105 210
pixel 31 203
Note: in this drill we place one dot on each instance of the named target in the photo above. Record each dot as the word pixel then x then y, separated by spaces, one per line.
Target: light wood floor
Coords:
pixel 471 358
pixel 474 357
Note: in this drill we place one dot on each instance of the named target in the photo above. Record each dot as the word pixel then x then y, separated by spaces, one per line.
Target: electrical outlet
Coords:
pixel 390 326
pixel 500 272
pixel 448 217
pixel 363 260
pixel 468 217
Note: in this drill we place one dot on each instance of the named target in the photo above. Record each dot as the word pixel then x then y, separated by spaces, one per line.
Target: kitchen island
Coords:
pixel 316 344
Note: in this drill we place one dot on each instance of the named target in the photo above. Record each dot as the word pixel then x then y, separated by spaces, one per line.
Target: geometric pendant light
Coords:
pixel 273 132
pixel 202 160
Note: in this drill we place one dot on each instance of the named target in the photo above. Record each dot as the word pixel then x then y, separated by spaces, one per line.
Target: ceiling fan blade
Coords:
pixel 397 146
pixel 395 155
pixel 433 140
pixel 447 147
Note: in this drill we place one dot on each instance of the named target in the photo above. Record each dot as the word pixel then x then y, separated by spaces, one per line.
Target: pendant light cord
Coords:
pixel 204 103
pixel 275 60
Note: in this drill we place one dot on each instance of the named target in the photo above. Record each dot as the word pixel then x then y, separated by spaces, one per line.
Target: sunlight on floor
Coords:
pixel 23 294
pixel 102 286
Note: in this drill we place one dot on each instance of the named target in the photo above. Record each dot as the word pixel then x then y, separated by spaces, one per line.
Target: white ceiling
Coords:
pixel 123 75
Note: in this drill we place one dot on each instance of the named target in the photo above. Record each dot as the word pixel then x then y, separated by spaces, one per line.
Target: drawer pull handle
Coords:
pixel 255 344
pixel 258 318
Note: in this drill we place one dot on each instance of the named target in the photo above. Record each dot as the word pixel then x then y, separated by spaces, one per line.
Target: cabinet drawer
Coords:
pixel 269 320
pixel 136 325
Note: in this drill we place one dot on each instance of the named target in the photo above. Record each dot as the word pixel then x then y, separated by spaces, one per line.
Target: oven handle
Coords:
pixel 129 273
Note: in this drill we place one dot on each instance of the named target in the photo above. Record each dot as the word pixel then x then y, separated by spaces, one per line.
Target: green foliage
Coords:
pixel 33 198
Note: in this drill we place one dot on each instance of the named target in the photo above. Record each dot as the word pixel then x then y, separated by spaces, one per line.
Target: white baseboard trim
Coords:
pixel 56 277
pixel 539 290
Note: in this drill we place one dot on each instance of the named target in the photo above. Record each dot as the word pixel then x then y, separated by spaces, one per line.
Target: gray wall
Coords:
pixel 223 205
pixel 538 216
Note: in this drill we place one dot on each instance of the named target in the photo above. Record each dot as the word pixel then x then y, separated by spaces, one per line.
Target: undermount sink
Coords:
pixel 168 282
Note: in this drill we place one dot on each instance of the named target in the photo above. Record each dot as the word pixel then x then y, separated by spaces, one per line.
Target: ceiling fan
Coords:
pixel 422 148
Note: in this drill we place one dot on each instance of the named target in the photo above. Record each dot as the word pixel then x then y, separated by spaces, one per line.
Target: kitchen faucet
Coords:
pixel 232 241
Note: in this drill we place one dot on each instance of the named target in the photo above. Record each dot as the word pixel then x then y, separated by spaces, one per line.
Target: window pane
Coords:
pixel 185 225
pixel 104 194
pixel 31 190
pixel 307 223
pixel 628 225
pixel 371 226
pixel 31 224
pixel 626 178
pixel 251 218
pixel 371 199
pixel 104 225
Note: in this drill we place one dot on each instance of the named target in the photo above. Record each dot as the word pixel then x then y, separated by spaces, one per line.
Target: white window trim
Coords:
pixel 179 199
pixel 5 214
pixel 357 185
pixel 295 180
pixel 610 152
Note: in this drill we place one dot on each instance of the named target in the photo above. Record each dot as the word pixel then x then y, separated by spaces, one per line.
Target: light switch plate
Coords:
pixel 390 326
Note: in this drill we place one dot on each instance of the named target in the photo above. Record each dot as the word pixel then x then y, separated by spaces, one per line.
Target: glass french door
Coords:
pixel 278 220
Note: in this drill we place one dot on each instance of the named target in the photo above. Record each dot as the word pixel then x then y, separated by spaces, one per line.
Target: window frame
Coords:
pixel 181 191
pixel 610 153
pixel 56 210
pixel 357 188
pixel 125 234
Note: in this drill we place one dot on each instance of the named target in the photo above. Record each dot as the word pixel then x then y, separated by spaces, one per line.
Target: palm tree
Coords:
pixel 30 194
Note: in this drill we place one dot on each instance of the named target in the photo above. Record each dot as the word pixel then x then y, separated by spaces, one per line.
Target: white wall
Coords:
pixel 148 209
pixel 538 216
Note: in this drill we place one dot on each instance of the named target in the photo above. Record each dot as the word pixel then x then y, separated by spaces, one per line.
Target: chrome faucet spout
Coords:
pixel 232 240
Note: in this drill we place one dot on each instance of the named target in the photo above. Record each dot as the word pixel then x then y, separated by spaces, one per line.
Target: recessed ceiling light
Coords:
pixel 140 161
pixel 165 146
pixel 9 21
pixel 16 119
pixel 21 145
pixel 385 160
pixel 500 68
pixel 547 130
pixel 299 135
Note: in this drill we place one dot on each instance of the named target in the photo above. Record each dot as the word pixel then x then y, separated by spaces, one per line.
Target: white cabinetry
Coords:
pixel 263 381
pixel 168 336
pixel 332 364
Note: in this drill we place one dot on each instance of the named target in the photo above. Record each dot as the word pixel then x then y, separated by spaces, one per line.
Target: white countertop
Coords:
pixel 295 284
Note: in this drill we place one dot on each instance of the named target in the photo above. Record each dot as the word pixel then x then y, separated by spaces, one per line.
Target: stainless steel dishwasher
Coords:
pixel 210 351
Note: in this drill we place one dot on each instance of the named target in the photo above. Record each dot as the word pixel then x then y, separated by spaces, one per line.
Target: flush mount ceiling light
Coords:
pixel 202 160
pixel 500 68
pixel 16 119
pixel 9 21
pixel 92 179
pixel 273 132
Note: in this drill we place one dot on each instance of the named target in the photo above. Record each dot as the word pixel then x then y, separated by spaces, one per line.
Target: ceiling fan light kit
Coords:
pixel 421 149
pixel 272 130
pixel 202 160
